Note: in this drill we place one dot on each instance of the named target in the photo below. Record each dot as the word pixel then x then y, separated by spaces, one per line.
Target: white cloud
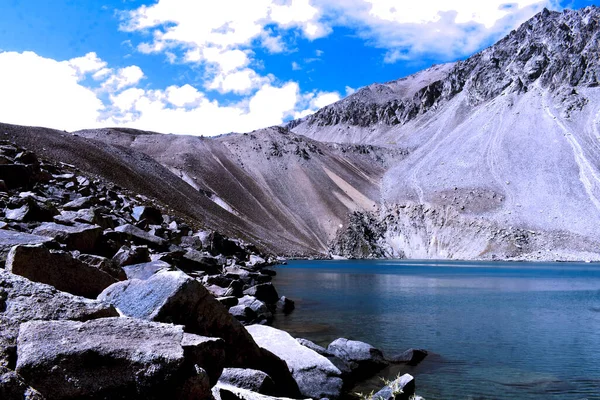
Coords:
pixel 180 96
pixel 88 63
pixel 44 92
pixel 312 102
pixel 296 66
pixel 124 77
pixel 325 98
pixel 349 90
pixel 239 82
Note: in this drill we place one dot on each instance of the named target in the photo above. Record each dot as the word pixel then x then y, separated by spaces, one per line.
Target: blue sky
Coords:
pixel 206 67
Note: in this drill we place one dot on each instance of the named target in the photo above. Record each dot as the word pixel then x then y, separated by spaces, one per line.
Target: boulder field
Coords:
pixel 105 294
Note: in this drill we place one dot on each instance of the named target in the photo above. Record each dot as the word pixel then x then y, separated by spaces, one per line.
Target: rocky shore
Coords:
pixel 106 295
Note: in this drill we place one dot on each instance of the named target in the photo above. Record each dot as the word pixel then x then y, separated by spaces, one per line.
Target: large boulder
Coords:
pixel 150 214
pixel 144 271
pixel 22 300
pixel 13 387
pixel 402 388
pixel 140 236
pixel 316 376
pixel 250 379
pixel 116 358
pixel 8 239
pixel 222 391
pixel 362 358
pixel 58 269
pixel 173 296
pixel 338 362
pixel 82 237
pixel 264 292
pixel 410 357
pixel 15 176
pixel 206 352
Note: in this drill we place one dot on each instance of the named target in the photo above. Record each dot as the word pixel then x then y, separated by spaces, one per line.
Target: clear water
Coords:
pixel 496 330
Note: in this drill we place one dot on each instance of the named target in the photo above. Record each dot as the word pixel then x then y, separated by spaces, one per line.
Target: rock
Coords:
pixel 363 359
pixel 146 270
pixel 264 292
pixel 259 308
pixel 13 387
pixel 16 176
pixel 106 358
pixel 31 211
pixel 223 391
pixel 243 313
pixel 141 237
pixel 410 357
pixel 77 204
pixel 338 362
pixel 316 376
pixel 58 269
pixel 192 242
pixel 286 305
pixel 172 296
pixel 82 237
pixel 256 261
pixel 26 157
pixel 150 214
pixel 206 352
pixel 131 256
pixel 250 379
pixel 194 260
pixel 229 301
pixel 3 187
pixel 8 239
pixel 104 264
pixel 22 300
pixel 85 216
pixel 402 388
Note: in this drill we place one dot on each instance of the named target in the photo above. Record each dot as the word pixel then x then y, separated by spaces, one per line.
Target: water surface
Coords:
pixel 496 330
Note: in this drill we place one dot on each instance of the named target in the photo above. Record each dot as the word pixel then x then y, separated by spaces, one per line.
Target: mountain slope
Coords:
pixel 508 139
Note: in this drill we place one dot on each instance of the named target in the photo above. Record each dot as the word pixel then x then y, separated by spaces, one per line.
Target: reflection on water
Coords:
pixel 497 330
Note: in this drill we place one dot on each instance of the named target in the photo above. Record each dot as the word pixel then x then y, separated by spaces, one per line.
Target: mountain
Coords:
pixel 506 141
pixel 493 157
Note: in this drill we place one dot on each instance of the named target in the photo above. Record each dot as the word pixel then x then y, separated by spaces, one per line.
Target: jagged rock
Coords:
pixel 243 313
pixel 265 292
pixel 229 301
pixel 338 362
pixel 77 204
pixel 249 379
pixel 85 216
pixel 26 157
pixel 8 239
pixel 82 237
pixel 131 256
pixel 16 176
pixel 259 308
pixel 104 358
pixel 229 392
pixel 402 388
pixel 362 358
pixel 22 300
pixel 410 357
pixel 256 261
pixel 104 264
pixel 141 237
pixel 150 214
pixel 206 352
pixel 192 242
pixel 58 269
pixel 172 296
pixel 316 376
pixel 286 305
pixel 13 387
pixel 194 260
pixel 146 270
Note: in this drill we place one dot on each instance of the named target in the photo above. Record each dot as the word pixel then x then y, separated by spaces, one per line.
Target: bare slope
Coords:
pixel 507 139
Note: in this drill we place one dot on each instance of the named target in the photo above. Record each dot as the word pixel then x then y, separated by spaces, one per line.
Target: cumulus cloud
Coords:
pixel 312 102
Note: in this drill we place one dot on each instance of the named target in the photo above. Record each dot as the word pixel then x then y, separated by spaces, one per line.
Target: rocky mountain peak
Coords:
pixel 555 50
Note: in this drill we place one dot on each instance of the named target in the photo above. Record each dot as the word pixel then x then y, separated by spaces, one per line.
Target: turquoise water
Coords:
pixel 496 330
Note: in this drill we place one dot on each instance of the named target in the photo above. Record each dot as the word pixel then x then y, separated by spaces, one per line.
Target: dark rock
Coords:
pixel 146 270
pixel 116 358
pixel 78 204
pixel 316 376
pixel 16 176
pixel 229 301
pixel 260 309
pixel 141 237
pixel 22 300
pixel 223 391
pixel 150 214
pixel 249 379
pixel 286 305
pixel 218 280
pixel 194 260
pixel 206 352
pixel 132 256
pixel 104 264
pixel 264 292
pixel 363 359
pixel 13 387
pixel 26 157
pixel 402 388
pixel 3 187
pixel 58 269
pixel 85 216
pixel 32 211
pixel 82 237
pixel 192 242
pixel 8 239
pixel 243 313
pixel 409 357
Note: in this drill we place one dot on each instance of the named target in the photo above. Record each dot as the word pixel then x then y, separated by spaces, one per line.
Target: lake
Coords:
pixel 494 330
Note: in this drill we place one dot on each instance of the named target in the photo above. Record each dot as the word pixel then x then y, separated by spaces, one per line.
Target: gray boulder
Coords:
pixel 77 204
pixel 258 307
pixel 205 352
pixel 116 358
pixel 250 379
pixel 410 357
pixel 82 237
pixel 264 292
pixel 131 255
pixel 22 300
pixel 140 236
pixel 58 269
pixel 338 362
pixel 173 296
pixel 402 388
pixel 104 264
pixel 8 239
pixel 362 358
pixel 242 313
pixel 316 376
pixel 222 391
pixel 13 387
pixel 150 214
pixel 146 270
